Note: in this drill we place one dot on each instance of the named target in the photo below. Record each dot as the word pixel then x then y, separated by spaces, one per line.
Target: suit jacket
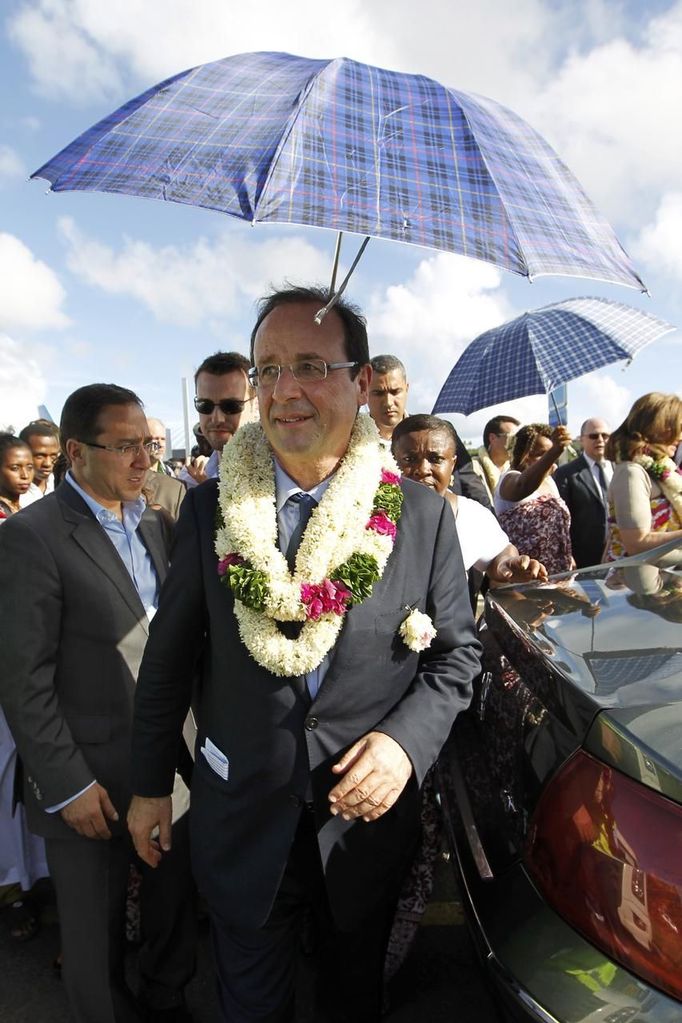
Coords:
pixel 580 491
pixel 164 491
pixel 74 630
pixel 280 746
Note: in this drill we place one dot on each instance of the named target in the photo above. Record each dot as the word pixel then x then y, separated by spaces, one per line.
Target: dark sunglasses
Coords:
pixel 596 436
pixel 229 406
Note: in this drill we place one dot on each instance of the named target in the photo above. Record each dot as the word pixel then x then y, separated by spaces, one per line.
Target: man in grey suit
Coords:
pixel 583 483
pixel 80 573
pixel 317 726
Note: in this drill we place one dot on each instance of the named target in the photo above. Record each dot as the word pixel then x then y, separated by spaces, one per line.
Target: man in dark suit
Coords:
pixel 306 790
pixel 80 573
pixel 583 484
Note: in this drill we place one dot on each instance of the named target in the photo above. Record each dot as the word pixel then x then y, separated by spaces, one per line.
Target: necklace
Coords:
pixel 344 550
pixel 668 476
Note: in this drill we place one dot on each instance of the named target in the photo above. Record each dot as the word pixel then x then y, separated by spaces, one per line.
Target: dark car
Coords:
pixel 562 795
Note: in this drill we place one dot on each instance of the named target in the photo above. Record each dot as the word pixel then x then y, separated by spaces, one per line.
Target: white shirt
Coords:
pixel 480 535
pixel 608 472
pixel 34 493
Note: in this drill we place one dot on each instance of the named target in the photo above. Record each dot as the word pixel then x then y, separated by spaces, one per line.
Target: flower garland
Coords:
pixel 343 552
pixel 669 478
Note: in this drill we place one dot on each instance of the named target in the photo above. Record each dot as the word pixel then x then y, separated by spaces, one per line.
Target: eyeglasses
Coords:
pixel 126 450
pixel 228 406
pixel 307 371
pixel 596 436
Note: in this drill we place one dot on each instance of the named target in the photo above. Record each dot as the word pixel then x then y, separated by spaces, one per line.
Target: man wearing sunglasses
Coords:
pixel 583 484
pixel 224 400
pixel 80 575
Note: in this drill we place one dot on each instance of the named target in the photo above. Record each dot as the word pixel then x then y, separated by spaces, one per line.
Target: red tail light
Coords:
pixel 606 853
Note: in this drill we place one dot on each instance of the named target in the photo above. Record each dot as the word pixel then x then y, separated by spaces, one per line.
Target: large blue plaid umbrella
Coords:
pixel 539 350
pixel 274 138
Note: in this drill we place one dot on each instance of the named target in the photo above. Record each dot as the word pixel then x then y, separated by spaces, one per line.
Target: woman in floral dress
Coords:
pixel 527 502
pixel 645 496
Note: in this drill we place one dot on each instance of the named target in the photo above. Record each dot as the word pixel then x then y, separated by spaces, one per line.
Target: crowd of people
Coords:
pixel 283 625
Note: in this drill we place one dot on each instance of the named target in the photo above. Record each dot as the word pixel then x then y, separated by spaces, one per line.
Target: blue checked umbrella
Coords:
pixel 539 350
pixel 273 138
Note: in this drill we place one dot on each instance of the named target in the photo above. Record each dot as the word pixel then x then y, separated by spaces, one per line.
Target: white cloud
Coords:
pixel 200 283
pixel 11 165
pixel 31 295
pixel 659 244
pixel 428 321
pixel 22 384
pixel 609 113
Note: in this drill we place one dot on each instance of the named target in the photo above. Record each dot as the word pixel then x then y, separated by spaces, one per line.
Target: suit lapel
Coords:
pixel 92 539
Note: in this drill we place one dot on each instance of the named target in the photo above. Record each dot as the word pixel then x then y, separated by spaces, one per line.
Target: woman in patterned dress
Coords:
pixel 527 502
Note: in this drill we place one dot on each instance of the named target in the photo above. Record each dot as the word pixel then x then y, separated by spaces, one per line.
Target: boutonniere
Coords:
pixel 417 630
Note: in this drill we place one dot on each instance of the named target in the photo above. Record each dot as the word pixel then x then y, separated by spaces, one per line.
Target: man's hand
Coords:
pixel 144 815
pixel 89 812
pixel 375 771
pixel 197 469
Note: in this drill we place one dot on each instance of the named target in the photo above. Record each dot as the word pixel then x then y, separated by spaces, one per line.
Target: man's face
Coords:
pixel 219 427
pixel 307 424
pixel 157 434
pixel 594 437
pixel 45 451
pixel 387 398
pixel 109 476
pixel 499 442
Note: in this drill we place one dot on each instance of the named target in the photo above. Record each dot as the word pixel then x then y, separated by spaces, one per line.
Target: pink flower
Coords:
pixel 381 524
pixel 324 598
pixel 229 559
pixel 389 477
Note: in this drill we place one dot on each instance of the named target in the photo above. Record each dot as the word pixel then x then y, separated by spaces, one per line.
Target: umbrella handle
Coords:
pixel 556 408
pixel 321 313
pixel 335 267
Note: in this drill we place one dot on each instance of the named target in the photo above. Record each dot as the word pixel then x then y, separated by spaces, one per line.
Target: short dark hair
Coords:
pixel 81 412
pixel 423 421
pixel 524 440
pixel 40 428
pixel 9 441
pixel 383 364
pixel 220 363
pixel 354 323
pixel 493 426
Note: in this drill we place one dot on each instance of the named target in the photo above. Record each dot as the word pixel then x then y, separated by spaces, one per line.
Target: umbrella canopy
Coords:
pixel 539 350
pixel 275 138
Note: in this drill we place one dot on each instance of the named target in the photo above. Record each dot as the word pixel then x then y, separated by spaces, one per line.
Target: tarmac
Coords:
pixel 440 981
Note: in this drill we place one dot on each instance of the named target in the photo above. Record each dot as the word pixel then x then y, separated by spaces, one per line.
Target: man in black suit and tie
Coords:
pixel 316 727
pixel 80 573
pixel 583 483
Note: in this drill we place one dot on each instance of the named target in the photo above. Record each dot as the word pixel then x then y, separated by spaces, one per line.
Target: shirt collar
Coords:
pixel 285 487
pixel 132 510
pixel 591 461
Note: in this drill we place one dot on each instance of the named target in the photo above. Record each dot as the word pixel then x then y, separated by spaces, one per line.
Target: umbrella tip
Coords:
pixel 320 315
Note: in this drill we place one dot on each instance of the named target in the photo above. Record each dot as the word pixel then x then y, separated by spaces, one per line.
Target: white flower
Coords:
pixel 417 631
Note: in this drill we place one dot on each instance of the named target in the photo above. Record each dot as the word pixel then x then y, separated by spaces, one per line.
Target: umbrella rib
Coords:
pixel 289 127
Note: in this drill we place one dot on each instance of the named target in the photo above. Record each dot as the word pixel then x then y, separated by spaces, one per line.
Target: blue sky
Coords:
pixel 97 287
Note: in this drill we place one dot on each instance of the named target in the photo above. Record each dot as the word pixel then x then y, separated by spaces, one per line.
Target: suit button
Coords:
pixel 311 724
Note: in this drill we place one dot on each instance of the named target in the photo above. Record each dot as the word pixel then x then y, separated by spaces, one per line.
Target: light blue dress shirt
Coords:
pixel 287 520
pixel 135 557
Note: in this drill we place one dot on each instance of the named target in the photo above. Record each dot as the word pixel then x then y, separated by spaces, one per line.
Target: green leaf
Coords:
pixel 389 499
pixel 359 574
pixel 248 585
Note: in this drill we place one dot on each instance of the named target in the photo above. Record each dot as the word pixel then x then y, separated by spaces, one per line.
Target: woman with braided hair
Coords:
pixel 527 502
